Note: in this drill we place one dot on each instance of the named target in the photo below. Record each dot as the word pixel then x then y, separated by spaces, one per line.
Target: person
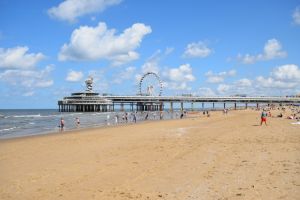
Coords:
pixel 161 115
pixel 116 119
pixel 270 114
pixel 264 117
pixel 134 117
pixel 126 117
pixel 108 120
pixel 146 117
pixel 62 124
pixel 77 122
pixel 181 115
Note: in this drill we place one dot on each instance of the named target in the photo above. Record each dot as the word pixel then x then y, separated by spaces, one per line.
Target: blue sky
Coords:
pixel 209 48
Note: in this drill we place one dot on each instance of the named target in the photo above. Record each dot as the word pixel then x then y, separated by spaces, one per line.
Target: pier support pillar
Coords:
pixel 224 105
pixel 192 106
pixel 181 106
pixel 171 106
pixel 202 105
pixel 257 105
pixel 161 107
pixel 122 107
pixel 246 105
pixel 235 106
pixel 213 105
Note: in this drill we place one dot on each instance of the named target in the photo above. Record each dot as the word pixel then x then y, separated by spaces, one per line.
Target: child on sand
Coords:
pixel 263 117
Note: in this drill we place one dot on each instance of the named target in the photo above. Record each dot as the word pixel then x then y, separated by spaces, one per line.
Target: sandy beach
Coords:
pixel 218 157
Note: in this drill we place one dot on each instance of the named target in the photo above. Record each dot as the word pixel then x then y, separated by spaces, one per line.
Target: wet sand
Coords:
pixel 217 157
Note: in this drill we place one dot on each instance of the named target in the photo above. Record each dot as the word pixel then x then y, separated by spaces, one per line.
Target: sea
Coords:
pixel 26 122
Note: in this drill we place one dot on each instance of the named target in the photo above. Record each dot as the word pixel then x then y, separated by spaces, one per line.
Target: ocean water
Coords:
pixel 25 122
pixel 18 123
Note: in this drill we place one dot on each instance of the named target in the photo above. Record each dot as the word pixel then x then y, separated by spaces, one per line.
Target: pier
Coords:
pixel 89 101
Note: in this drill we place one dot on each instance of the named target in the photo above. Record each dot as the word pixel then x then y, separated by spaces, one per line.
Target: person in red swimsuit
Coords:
pixel 263 117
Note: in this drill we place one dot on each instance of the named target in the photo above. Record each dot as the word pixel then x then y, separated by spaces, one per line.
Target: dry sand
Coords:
pixel 220 157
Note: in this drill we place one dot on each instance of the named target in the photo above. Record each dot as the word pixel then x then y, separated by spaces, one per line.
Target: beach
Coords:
pixel 218 157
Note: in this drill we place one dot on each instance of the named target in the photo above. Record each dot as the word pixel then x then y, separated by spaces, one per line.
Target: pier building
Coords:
pixel 86 101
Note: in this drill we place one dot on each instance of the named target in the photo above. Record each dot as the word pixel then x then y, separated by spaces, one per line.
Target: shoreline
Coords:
pixel 191 113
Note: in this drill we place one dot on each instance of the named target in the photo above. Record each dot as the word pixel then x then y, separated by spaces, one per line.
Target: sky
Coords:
pixel 198 47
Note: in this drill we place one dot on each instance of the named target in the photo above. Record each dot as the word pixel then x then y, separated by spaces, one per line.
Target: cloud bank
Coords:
pixel 94 43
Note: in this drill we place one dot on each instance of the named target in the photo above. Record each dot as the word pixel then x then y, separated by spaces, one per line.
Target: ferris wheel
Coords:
pixel 150 85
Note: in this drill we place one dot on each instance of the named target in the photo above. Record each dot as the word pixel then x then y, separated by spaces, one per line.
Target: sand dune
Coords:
pixel 220 157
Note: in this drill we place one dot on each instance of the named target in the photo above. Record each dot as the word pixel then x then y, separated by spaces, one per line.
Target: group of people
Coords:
pixel 121 118
pixel 265 114
pixel 62 123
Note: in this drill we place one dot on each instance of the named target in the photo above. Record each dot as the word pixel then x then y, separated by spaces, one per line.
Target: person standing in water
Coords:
pixel 62 124
pixel 77 122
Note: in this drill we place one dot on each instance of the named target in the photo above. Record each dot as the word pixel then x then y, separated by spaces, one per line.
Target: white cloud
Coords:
pixel 272 50
pixel 18 58
pixel 194 50
pixel 100 82
pixel 282 77
pixel 178 78
pixel 207 92
pixel 124 58
pixel 244 83
pixel 270 82
pixel 288 72
pixel 182 73
pixel 94 43
pixel 74 76
pixel 152 63
pixel 28 78
pixel 127 74
pixel 219 77
pixel 296 16
pixel 70 10
pixel 223 88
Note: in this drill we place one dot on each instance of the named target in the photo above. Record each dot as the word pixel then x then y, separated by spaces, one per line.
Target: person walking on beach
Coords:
pixel 77 121
pixel 116 119
pixel 181 115
pixel 108 120
pixel 146 117
pixel 263 117
pixel 126 117
pixel 62 124
pixel 134 117
pixel 161 115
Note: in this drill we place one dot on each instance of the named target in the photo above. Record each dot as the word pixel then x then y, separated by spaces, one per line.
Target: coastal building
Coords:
pixel 86 101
